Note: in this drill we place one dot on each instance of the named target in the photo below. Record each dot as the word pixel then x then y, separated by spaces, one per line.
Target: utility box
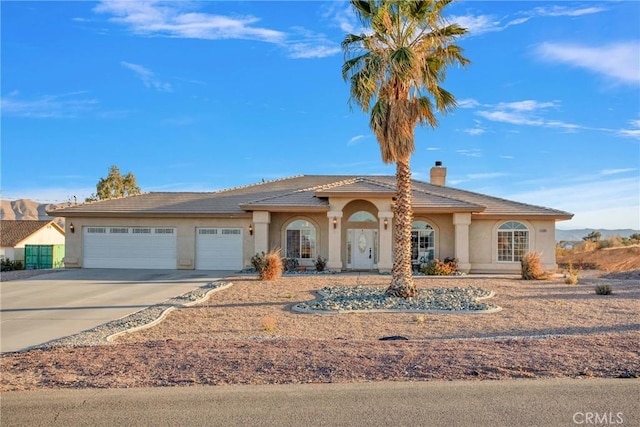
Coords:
pixel 38 257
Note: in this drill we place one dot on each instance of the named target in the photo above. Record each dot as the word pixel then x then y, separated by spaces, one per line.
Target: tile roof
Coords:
pixel 13 232
pixel 303 191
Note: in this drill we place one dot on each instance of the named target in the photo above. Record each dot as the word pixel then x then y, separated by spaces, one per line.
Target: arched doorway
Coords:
pixel 362 239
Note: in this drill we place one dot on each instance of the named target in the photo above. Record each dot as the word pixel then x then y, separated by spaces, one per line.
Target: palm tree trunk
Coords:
pixel 402 277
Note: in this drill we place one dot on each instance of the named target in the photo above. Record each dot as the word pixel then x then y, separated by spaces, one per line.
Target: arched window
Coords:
pixel 513 241
pixel 422 242
pixel 362 216
pixel 301 240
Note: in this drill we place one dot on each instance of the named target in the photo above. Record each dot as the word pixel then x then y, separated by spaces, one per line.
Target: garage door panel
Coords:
pixel 129 247
pixel 219 249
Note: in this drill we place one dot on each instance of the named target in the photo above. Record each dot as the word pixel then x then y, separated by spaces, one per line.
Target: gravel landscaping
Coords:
pixel 341 299
pixel 249 333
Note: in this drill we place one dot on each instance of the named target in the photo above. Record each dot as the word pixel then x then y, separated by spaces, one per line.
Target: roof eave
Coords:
pixel 351 194
pixel 281 208
pixel 554 216
pixel 445 209
pixel 155 214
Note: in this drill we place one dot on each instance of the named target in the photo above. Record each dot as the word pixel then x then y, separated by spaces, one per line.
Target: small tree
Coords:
pixel 594 236
pixel 115 185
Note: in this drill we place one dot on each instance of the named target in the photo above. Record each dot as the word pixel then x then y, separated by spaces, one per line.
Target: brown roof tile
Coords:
pixel 13 232
pixel 310 191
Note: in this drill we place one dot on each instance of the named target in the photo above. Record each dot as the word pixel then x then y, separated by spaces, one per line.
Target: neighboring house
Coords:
pixel 16 234
pixel 345 219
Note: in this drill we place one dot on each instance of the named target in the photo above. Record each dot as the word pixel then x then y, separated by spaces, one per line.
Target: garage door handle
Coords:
pixel 369 253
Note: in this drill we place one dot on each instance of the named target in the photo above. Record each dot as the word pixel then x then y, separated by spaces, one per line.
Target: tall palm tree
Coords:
pixel 395 72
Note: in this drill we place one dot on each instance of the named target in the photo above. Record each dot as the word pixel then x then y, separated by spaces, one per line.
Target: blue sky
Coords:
pixel 201 96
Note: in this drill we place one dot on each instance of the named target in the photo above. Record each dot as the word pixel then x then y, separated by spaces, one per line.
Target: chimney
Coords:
pixel 438 174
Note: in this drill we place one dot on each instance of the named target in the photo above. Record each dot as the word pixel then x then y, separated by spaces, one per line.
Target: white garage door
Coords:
pixel 129 247
pixel 219 249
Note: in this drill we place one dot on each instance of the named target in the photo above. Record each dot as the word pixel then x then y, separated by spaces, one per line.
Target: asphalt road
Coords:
pixel 55 305
pixel 462 404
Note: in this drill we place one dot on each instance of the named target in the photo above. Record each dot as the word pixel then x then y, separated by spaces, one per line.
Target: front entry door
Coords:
pixel 363 249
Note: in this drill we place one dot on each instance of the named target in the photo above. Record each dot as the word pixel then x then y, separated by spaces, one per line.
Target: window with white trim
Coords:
pixel 513 241
pixel 301 240
pixel 422 242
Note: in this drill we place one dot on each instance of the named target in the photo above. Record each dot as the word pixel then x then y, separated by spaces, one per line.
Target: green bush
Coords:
pixel 7 265
pixel 259 262
pixel 320 263
pixel 290 264
pixel 604 289
pixel 437 267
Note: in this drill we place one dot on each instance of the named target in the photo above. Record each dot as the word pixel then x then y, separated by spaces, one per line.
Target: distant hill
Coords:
pixel 577 235
pixel 25 209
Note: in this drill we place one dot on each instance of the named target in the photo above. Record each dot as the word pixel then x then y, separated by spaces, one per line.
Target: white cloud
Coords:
pixel 65 106
pixel 527 112
pixel 470 153
pixel 356 139
pixel 474 131
pixel 619 61
pixel 148 77
pixel 468 103
pixel 177 20
pixel 478 24
pixel 481 24
pixel 566 11
pixel 342 16
pixel 597 202
pixel 631 133
pixel 616 171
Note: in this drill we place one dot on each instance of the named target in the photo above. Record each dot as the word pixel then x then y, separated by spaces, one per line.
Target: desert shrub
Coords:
pixel 603 289
pixel 571 277
pixel 320 263
pixel 269 323
pixel 611 242
pixel 272 266
pixel 290 264
pixel 7 265
pixel 437 267
pixel 269 266
pixel 531 267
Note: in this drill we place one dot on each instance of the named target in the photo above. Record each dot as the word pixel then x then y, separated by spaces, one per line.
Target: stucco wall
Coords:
pixel 483 244
pixel 9 253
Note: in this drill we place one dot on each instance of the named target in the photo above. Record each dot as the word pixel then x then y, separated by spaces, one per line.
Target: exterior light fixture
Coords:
pixel 386 223
pixel 335 222
pixel 72 228
pixel 251 229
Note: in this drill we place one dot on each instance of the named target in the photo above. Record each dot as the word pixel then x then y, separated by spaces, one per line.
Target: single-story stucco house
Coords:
pixel 15 235
pixel 344 219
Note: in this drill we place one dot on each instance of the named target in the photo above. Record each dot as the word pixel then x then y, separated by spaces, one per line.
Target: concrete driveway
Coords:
pixel 59 304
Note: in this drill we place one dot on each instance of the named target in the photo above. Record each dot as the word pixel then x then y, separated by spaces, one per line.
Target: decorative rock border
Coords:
pixel 145 318
pixel 360 299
